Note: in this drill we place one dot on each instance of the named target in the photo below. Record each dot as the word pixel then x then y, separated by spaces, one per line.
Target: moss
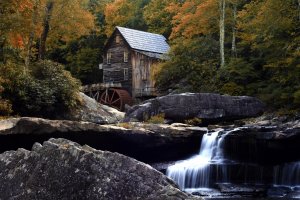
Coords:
pixel 125 125
pixel 157 119
pixel 194 121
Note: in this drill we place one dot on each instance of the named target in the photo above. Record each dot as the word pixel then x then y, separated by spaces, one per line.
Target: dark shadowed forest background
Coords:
pixel 234 47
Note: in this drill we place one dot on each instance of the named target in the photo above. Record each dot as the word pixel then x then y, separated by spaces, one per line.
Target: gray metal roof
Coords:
pixel 145 41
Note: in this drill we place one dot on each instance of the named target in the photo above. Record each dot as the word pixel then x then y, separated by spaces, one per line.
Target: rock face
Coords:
pixel 145 142
pixel 267 145
pixel 206 106
pixel 92 111
pixel 61 169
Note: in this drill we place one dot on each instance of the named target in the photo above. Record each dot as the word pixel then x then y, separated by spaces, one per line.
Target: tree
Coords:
pixel 126 13
pixel 25 21
pixel 68 19
pixel 32 32
pixel 46 27
pixel 269 34
pixel 14 22
pixel 158 18
pixel 234 15
pixel 222 4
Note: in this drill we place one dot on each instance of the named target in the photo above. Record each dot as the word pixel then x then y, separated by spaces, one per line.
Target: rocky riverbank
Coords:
pixel 61 169
pixel 258 150
pixel 256 141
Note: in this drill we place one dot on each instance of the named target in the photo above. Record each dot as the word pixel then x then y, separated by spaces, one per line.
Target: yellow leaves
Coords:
pixel 118 13
pixel 158 16
pixel 70 20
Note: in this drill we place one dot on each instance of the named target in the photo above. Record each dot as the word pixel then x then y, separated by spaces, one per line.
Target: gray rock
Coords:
pixel 206 106
pixel 266 145
pixel 92 111
pixel 61 169
pixel 145 142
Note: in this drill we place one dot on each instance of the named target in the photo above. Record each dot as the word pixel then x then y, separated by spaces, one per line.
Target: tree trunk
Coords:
pixel 46 26
pixel 2 44
pixel 233 44
pixel 299 8
pixel 222 31
pixel 32 34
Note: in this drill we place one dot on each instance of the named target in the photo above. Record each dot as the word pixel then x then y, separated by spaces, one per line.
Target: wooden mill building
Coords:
pixel 129 57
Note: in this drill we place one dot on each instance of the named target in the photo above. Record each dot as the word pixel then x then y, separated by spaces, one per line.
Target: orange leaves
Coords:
pixel 194 18
pixel 25 5
pixel 70 19
pixel 16 40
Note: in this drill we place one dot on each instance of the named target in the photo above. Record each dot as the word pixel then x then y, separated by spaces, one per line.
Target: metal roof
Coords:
pixel 145 41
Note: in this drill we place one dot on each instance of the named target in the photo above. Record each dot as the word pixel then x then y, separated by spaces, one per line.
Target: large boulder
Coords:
pixel 61 169
pixel 145 142
pixel 92 111
pixel 205 106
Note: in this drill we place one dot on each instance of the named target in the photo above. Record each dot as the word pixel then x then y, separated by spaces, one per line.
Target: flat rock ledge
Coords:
pixel 61 169
pixel 145 142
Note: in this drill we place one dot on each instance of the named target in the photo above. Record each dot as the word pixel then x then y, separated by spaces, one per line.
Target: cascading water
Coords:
pixel 211 169
pixel 196 171
pixel 287 174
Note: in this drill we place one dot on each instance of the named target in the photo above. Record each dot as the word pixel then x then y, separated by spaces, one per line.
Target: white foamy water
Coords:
pixel 195 172
pixel 287 174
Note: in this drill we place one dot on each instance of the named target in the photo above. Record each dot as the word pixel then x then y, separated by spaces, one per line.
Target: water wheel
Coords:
pixel 116 98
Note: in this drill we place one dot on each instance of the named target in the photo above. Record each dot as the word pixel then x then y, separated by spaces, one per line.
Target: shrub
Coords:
pixel 5 105
pixel 232 88
pixel 47 90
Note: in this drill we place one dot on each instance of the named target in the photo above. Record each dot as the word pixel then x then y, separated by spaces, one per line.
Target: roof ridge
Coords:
pixel 141 31
pixel 144 41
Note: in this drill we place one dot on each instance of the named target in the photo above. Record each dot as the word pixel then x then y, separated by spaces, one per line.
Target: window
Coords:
pixel 108 57
pixel 125 56
pixel 126 75
pixel 118 39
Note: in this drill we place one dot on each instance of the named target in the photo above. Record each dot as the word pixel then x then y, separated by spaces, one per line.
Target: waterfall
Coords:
pixel 287 174
pixel 196 171
pixel 210 167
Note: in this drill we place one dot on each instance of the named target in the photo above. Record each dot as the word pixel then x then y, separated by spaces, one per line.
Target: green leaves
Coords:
pixel 47 91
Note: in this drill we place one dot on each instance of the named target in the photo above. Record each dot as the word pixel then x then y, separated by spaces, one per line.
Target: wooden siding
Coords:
pixel 114 72
pixel 142 83
pixel 139 83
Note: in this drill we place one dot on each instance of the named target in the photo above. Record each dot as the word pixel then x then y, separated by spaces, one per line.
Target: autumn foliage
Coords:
pixel 261 42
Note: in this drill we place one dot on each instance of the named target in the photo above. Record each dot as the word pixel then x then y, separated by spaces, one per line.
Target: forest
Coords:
pixel 48 48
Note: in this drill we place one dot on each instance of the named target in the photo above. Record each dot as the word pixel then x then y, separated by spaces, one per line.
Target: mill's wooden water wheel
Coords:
pixel 116 98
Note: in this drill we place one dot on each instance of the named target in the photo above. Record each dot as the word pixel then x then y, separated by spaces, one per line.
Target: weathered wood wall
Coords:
pixel 142 82
pixel 139 83
pixel 114 72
